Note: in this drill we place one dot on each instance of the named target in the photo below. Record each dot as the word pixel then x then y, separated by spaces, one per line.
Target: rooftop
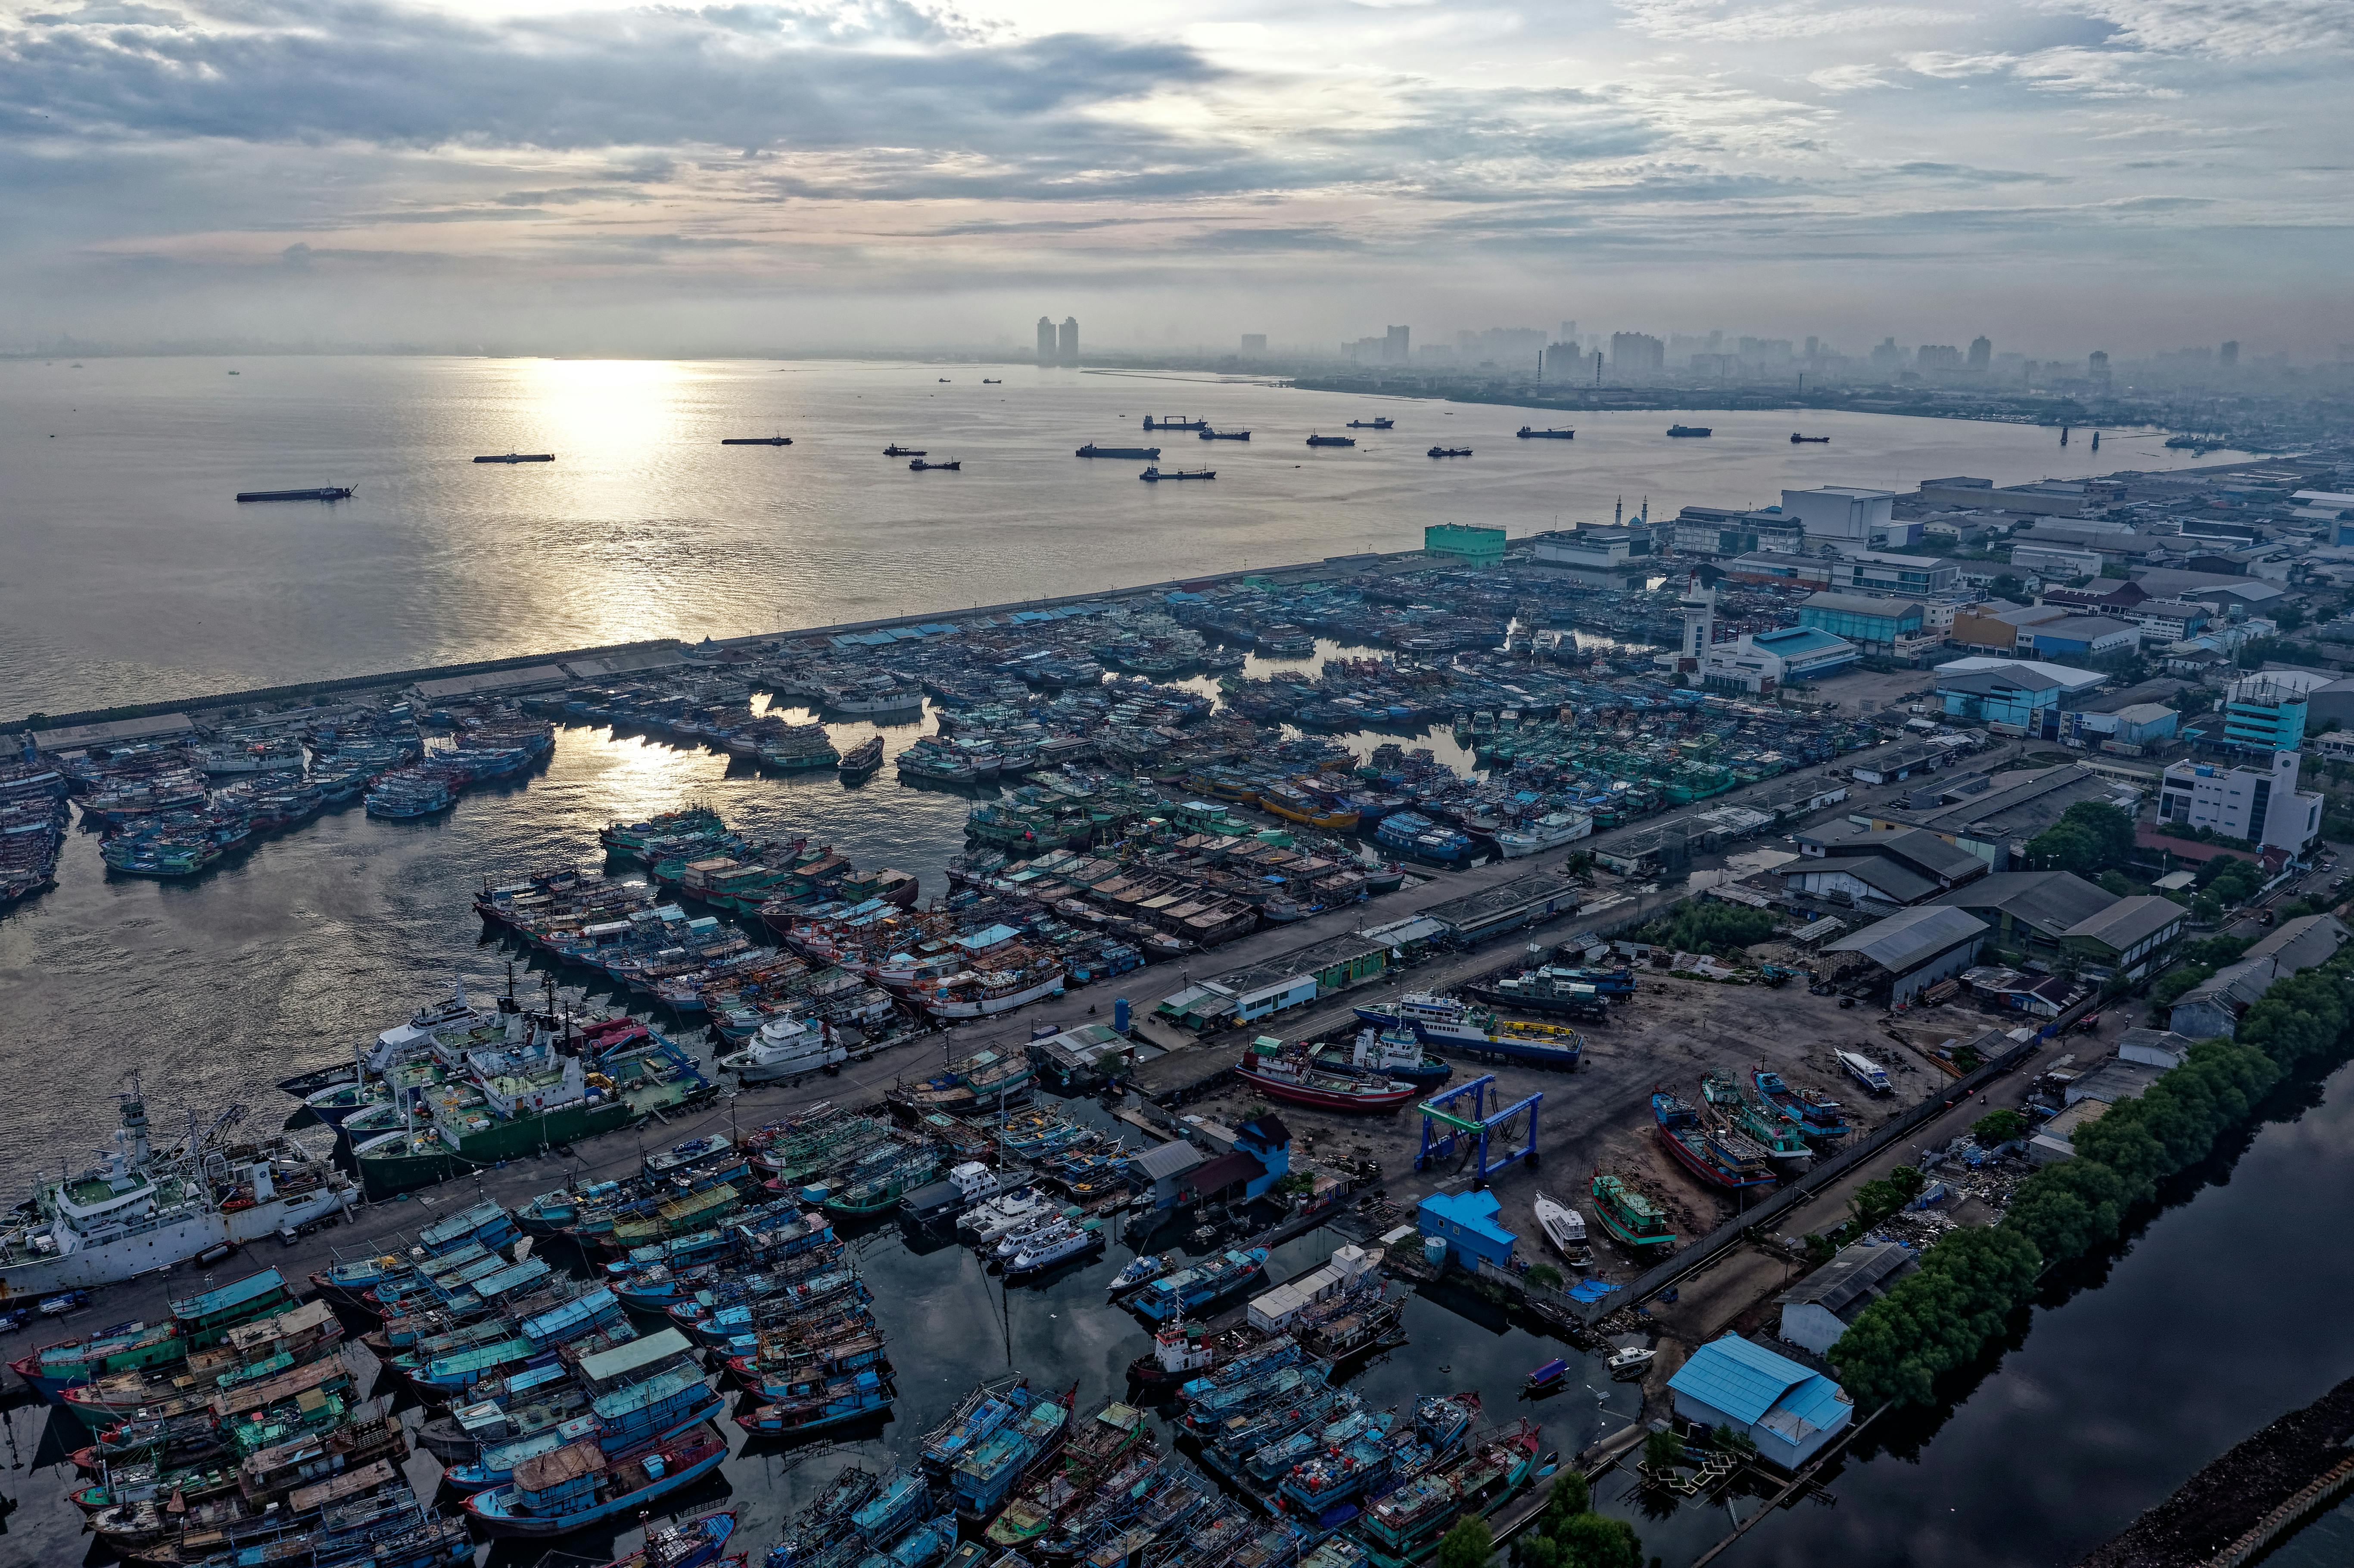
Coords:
pixel 2053 902
pixel 2128 920
pixel 1855 1278
pixel 1857 604
pixel 1911 936
pixel 1746 1382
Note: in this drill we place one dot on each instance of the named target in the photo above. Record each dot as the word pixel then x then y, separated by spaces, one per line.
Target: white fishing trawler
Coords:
pixel 141 1208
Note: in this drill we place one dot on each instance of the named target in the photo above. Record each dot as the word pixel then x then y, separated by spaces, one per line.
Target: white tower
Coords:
pixel 1698 607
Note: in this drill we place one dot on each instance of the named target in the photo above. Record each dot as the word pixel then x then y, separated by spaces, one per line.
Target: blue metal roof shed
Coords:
pixel 1789 1411
pixel 1466 1221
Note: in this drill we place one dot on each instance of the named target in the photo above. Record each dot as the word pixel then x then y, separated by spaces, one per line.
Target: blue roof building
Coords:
pixel 1466 1221
pixel 1788 1411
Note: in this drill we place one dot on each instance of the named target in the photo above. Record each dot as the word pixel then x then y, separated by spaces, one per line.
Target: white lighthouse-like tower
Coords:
pixel 1698 607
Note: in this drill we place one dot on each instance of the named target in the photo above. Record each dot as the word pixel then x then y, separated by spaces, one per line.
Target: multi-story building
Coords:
pixel 1046 340
pixel 2266 712
pixel 1912 576
pixel 2081 637
pixel 1637 350
pixel 2055 563
pixel 2262 806
pixel 1764 662
pixel 1066 341
pixel 1844 518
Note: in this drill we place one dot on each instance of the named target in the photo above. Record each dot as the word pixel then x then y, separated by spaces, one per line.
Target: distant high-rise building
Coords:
pixel 2098 366
pixel 1886 355
pixel 1562 362
pixel 1938 356
pixel 2229 355
pixel 1634 351
pixel 1254 342
pixel 1394 350
pixel 1066 341
pixel 1813 348
pixel 1981 351
pixel 1046 340
pixel 1568 332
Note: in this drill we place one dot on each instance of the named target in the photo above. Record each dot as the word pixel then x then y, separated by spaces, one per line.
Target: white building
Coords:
pixel 2266 808
pixel 2055 563
pixel 1841 516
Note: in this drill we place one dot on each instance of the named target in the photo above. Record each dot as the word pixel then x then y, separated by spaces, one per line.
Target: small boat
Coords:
pixel 920 466
pixel 519 456
pixel 1864 1071
pixel 1690 430
pixel 1628 1359
pixel 1450 451
pixel 1548 1377
pixel 1564 1227
pixel 992 381
pixel 1796 439
pixel 896 449
pixel 756 442
pixel 1140 1272
pixel 1529 433
pixel 944 380
pixel 863 759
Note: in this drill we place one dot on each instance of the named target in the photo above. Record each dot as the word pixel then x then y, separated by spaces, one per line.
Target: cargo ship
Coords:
pixel 756 442
pixel 1531 433
pixel 519 456
pixel 1208 435
pixel 1371 424
pixel 1331 441
pixel 1180 423
pixel 1450 451
pixel 920 466
pixel 323 493
pixel 1154 475
pixel 1147 454
pixel 1797 440
pixel 1690 430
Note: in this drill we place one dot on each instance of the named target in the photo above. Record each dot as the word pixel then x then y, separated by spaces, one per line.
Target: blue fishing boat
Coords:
pixel 823 1406
pixel 580 1486
pixel 980 1482
pixel 1203 1285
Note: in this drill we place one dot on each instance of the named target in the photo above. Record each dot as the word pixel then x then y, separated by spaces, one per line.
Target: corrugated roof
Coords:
pixel 1858 1274
pixel 1223 1172
pixel 2128 920
pixel 1742 1379
pixel 1167 1159
pixel 2051 901
pixel 2301 943
pixel 1902 885
pixel 1912 936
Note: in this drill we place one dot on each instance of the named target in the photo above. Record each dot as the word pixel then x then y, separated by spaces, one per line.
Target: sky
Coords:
pixel 2061 175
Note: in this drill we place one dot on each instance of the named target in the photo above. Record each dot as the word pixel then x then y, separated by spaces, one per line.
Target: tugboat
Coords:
pixel 1529 433
pixel 920 466
pixel 1450 451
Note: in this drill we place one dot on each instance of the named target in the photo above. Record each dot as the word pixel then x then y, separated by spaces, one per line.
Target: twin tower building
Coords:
pixel 1058 345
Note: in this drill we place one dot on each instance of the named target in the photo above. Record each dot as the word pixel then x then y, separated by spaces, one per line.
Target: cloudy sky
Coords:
pixel 2061 174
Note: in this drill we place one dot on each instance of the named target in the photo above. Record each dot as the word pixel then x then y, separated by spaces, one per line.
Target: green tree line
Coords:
pixel 1946 1313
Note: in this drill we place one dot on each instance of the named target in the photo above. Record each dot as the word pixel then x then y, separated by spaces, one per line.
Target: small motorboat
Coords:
pixel 1548 1377
pixel 1549 1464
pixel 1628 1359
pixel 1140 1272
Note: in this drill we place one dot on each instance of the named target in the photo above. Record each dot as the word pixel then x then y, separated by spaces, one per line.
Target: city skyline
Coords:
pixel 2132 174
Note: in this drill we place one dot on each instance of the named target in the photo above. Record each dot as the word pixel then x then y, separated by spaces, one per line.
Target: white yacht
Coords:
pixel 784 1047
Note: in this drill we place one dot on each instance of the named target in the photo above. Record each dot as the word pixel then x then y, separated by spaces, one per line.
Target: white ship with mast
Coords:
pixel 141 1208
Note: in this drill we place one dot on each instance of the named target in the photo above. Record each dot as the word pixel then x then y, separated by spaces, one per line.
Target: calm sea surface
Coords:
pixel 128 573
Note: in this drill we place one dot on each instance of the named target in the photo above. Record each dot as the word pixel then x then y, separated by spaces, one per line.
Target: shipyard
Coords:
pixel 1608 961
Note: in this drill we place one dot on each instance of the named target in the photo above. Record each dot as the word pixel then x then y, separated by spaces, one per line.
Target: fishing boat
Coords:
pixel 822 1405
pixel 1394 1054
pixel 1094 1448
pixel 990 1469
pixel 1563 1226
pixel 1403 1528
pixel 1627 1214
pixel 580 1486
pixel 1723 1101
pixel 1287 1072
pixel 1817 1117
pixel 865 758
pixel 1203 1285
pixel 1712 1157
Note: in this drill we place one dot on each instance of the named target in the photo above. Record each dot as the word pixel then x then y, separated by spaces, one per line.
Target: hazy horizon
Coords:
pixel 552 175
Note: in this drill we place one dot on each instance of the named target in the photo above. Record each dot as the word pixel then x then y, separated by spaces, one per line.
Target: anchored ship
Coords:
pixel 1092 450
pixel 1529 433
pixel 1155 475
pixel 519 456
pixel 324 493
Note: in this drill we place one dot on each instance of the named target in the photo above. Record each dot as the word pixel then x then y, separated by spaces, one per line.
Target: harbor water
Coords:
pixel 132 574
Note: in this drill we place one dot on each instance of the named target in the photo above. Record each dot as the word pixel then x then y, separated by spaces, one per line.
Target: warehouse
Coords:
pixel 1818 1309
pixel 1507 907
pixel 1788 1411
pixel 1915 948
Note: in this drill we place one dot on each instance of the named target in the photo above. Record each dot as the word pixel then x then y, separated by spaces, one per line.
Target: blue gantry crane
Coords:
pixel 1442 1111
